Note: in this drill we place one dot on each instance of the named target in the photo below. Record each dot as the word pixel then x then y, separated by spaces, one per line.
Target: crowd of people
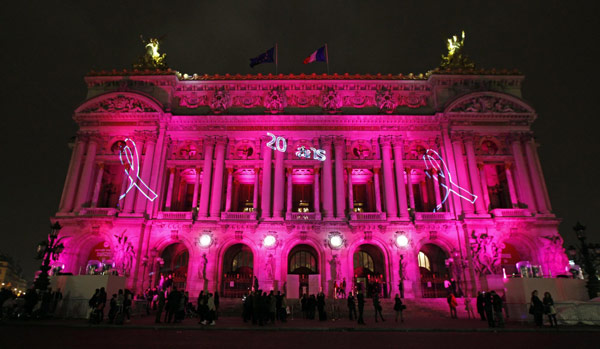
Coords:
pixel 33 304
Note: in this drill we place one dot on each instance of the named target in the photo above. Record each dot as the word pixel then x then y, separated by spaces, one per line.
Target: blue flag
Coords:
pixel 267 57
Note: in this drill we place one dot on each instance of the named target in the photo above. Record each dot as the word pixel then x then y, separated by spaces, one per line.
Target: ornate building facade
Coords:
pixel 304 181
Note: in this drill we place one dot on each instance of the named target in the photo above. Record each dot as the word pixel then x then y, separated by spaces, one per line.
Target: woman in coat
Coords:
pixel 537 308
pixel 398 308
pixel 549 309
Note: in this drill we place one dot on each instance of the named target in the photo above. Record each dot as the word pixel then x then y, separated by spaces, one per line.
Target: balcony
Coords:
pixel 302 216
pixel 367 216
pixel 510 212
pixel 433 216
pixel 184 215
pixel 95 211
pixel 238 216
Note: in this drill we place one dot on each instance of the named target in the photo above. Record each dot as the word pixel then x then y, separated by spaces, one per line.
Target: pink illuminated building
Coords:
pixel 231 206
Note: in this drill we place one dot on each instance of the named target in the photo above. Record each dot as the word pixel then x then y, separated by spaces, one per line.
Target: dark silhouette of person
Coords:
pixel 360 297
pixel 489 309
pixel 351 306
pixel 321 306
pixel 377 306
pixel 480 309
pixel 537 309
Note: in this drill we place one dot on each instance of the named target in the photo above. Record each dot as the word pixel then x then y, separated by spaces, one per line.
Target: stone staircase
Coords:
pixel 416 307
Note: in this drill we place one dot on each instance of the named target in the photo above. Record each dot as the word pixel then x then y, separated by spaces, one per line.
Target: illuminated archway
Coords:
pixel 175 258
pixel 238 271
pixel 433 271
pixel 303 260
pixel 369 270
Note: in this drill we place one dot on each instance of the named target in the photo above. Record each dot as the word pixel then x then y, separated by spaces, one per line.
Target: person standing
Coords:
pixel 452 303
pixel 497 305
pixel 321 306
pixel 160 300
pixel 480 308
pixel 351 306
pixel 489 309
pixel 549 309
pixel 537 309
pixel 377 306
pixel 210 318
pixel 398 307
pixel 360 297
pixel 468 307
pixel 217 302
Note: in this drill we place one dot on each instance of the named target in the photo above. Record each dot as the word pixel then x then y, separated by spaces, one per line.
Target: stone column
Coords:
pixel 316 198
pixel 326 183
pixel 73 176
pixel 388 177
pixel 279 185
pixel 411 191
pixel 523 183
pixel 436 189
pixel 169 198
pixel 461 173
pixel 350 191
pixel 377 189
pixel 474 174
pixel 229 188
pixel 86 174
pixel 484 186
pixel 206 177
pixel 340 195
pixel 196 187
pixel 140 203
pixel 255 194
pixel 217 185
pixel 266 180
pixel 289 191
pixel 400 184
pixel 424 193
pixel 536 177
pixel 511 184
pixel 98 185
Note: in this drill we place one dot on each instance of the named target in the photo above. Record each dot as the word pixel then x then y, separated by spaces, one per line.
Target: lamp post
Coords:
pixel 47 250
pixel 589 254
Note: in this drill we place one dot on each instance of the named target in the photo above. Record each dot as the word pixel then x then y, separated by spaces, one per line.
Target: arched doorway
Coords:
pixel 433 270
pixel 99 259
pixel 175 258
pixel 369 271
pixel 303 260
pixel 238 271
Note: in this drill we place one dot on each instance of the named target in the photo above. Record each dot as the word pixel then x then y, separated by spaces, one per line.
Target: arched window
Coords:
pixel 242 259
pixel 303 262
pixel 363 260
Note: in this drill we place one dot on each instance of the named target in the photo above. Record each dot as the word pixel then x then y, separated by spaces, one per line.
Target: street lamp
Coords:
pixel 589 254
pixel 47 250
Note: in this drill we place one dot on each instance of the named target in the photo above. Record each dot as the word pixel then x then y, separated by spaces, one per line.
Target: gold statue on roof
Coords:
pixel 152 59
pixel 456 58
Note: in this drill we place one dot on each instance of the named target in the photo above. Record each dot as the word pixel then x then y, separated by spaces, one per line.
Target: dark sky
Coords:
pixel 48 47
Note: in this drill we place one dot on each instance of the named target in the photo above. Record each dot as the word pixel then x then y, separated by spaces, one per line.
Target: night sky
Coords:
pixel 48 47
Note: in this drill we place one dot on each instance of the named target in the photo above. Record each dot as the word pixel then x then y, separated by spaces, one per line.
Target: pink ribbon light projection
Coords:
pixel 132 170
pixel 434 160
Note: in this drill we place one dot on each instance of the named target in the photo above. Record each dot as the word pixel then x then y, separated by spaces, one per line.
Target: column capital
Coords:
pixel 385 141
pixel 376 170
pixel 317 170
pixel 456 137
pixel 397 141
pixel 339 141
pixel 513 137
pixel 468 137
pixel 220 140
pixel 508 165
pixel 172 170
pixel 289 170
pixel 480 165
pixel 526 137
pixel 229 170
pixel 326 140
pixel 101 165
pixel 209 141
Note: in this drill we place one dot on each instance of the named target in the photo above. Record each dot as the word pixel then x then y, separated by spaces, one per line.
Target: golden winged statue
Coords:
pixel 152 59
pixel 456 58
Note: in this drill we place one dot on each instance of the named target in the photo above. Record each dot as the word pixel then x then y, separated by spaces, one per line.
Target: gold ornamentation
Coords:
pixel 152 59
pixel 456 59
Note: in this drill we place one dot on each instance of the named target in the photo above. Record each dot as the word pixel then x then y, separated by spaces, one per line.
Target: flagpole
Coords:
pixel 327 57
pixel 276 58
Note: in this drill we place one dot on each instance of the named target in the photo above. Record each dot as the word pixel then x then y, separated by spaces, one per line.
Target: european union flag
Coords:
pixel 267 57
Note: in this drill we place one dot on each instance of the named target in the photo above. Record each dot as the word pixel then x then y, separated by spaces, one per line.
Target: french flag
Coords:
pixel 319 55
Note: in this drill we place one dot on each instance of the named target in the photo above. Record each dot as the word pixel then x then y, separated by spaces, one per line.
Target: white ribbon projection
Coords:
pixel 434 160
pixel 132 170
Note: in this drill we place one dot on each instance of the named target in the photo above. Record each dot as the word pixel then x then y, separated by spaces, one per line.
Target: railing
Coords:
pixel 240 216
pixel 186 215
pixel 98 211
pixel 510 212
pixel 302 216
pixel 367 216
pixel 432 216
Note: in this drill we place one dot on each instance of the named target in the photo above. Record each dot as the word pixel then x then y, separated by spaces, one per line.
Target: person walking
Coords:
pixel 497 304
pixel 377 307
pixel 537 309
pixel 360 297
pixel 480 308
pixel 549 309
pixel 398 307
pixel 452 303
pixel 210 317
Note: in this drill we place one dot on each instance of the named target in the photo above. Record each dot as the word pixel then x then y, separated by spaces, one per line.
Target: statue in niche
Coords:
pixel 486 253
pixel 335 267
pixel 269 265
pixel 124 254
pixel 202 269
